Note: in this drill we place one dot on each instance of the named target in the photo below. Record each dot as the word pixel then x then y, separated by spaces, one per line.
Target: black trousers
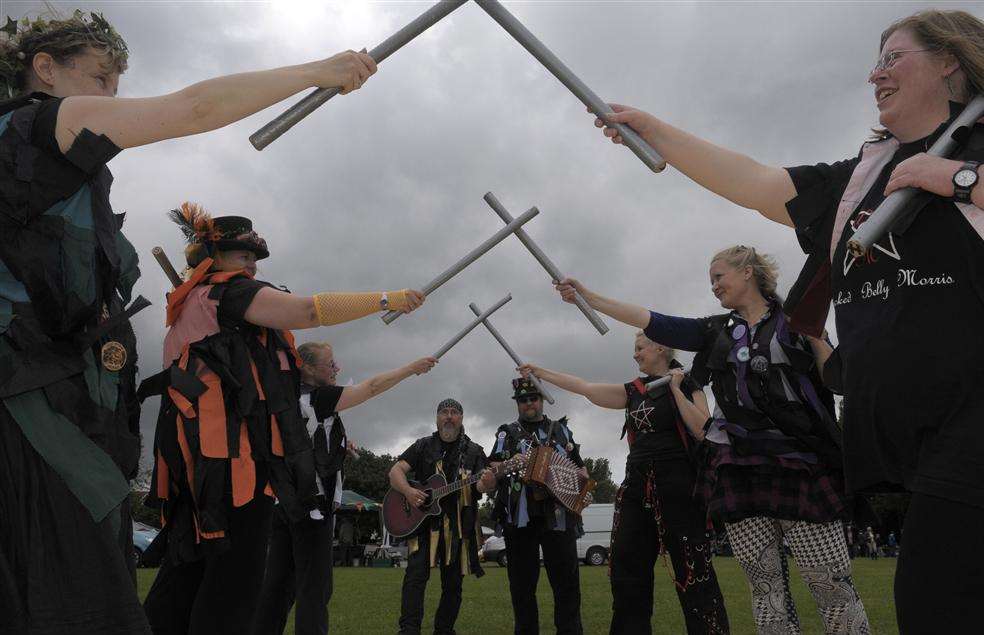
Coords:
pixel 654 512
pixel 523 565
pixel 415 584
pixel 217 594
pixel 298 571
pixel 939 577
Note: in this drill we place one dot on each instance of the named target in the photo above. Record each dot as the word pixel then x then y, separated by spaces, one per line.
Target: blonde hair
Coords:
pixel 764 268
pixel 668 353
pixel 957 33
pixel 308 351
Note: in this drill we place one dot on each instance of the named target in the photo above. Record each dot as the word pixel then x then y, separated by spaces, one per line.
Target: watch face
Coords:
pixel 965 178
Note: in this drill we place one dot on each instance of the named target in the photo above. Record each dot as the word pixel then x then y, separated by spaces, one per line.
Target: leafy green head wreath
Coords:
pixel 59 37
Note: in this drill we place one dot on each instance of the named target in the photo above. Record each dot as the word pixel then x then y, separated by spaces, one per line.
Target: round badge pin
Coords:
pixel 759 364
pixel 517 486
pixel 738 332
pixel 569 447
pixel 501 435
pixel 113 355
pixel 743 354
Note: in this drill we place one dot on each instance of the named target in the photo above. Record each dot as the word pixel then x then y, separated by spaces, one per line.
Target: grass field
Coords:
pixel 367 601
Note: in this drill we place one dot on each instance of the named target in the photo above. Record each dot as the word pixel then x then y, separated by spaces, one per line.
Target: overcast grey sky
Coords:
pixel 383 188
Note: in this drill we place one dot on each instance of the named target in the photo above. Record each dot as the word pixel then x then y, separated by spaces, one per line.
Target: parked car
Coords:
pixel 493 550
pixel 143 535
pixel 593 546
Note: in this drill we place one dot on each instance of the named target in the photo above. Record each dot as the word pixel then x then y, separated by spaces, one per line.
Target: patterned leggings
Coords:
pixel 821 554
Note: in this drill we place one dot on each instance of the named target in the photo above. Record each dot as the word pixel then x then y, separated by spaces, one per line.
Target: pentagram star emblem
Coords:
pixel 888 248
pixel 641 415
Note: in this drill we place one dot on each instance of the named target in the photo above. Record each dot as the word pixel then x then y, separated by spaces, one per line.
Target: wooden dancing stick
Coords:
pixel 509 351
pixel 552 63
pixel 166 265
pixel 541 257
pixel 512 227
pixel 465 331
pixel 272 131
pixel 883 218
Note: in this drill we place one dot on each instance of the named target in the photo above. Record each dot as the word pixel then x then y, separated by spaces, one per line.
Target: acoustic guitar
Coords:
pixel 402 518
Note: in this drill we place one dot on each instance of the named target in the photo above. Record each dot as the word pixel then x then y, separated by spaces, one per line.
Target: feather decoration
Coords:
pixel 195 223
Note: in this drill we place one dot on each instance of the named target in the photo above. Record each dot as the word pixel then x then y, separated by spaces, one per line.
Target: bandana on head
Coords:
pixel 450 403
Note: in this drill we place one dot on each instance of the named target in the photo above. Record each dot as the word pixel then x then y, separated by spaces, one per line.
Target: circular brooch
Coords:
pixel 113 356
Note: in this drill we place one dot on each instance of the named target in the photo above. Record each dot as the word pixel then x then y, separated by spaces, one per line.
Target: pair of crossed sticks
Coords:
pixel 272 131
pixel 513 226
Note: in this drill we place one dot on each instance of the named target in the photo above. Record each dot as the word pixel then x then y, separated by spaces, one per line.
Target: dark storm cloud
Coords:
pixel 383 188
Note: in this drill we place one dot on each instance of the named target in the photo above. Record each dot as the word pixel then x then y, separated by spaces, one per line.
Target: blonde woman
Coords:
pixel 770 460
pixel 655 514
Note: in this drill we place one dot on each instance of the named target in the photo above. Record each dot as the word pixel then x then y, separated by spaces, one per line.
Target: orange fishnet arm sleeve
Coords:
pixel 343 306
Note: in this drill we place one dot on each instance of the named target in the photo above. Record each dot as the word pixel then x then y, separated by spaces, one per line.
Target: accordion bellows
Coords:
pixel 560 476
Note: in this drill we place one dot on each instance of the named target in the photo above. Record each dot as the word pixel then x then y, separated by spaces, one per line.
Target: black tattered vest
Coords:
pixel 760 417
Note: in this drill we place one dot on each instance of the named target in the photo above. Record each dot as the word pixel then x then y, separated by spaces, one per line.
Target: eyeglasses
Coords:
pixel 888 59
pixel 528 399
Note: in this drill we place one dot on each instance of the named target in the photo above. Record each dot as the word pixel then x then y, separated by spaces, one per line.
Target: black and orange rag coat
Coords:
pixel 230 426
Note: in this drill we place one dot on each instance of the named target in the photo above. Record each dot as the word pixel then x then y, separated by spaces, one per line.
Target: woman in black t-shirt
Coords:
pixel 655 512
pixel 914 301
pixel 230 434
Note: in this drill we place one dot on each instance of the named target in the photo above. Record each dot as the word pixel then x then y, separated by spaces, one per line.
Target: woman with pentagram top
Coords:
pixel 770 459
pixel 69 419
pixel 655 513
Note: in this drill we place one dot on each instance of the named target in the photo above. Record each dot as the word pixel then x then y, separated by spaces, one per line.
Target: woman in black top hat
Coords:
pixel 655 513
pixel 230 434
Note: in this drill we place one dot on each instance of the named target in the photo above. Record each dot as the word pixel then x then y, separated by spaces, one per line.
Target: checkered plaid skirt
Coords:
pixel 734 487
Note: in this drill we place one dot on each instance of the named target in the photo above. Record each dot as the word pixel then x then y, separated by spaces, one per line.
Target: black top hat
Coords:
pixel 236 233
pixel 522 387
pixel 225 233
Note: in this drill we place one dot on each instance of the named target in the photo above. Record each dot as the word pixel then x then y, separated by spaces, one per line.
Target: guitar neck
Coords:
pixel 454 486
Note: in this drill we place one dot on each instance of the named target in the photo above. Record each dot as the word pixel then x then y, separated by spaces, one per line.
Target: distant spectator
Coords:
pixel 872 544
pixel 893 545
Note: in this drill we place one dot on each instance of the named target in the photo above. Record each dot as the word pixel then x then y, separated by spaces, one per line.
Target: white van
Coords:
pixel 593 546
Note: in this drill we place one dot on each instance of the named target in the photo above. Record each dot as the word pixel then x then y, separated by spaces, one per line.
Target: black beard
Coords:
pixel 531 418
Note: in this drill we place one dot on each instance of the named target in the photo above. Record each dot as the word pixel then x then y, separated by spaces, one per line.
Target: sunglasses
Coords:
pixel 528 399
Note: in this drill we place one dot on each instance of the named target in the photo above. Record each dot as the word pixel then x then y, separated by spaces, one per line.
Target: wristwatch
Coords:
pixel 964 181
pixel 384 303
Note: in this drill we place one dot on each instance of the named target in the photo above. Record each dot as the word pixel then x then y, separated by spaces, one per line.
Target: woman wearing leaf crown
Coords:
pixel 69 421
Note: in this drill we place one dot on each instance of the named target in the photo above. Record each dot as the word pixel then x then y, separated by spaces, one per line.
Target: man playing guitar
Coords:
pixel 441 540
